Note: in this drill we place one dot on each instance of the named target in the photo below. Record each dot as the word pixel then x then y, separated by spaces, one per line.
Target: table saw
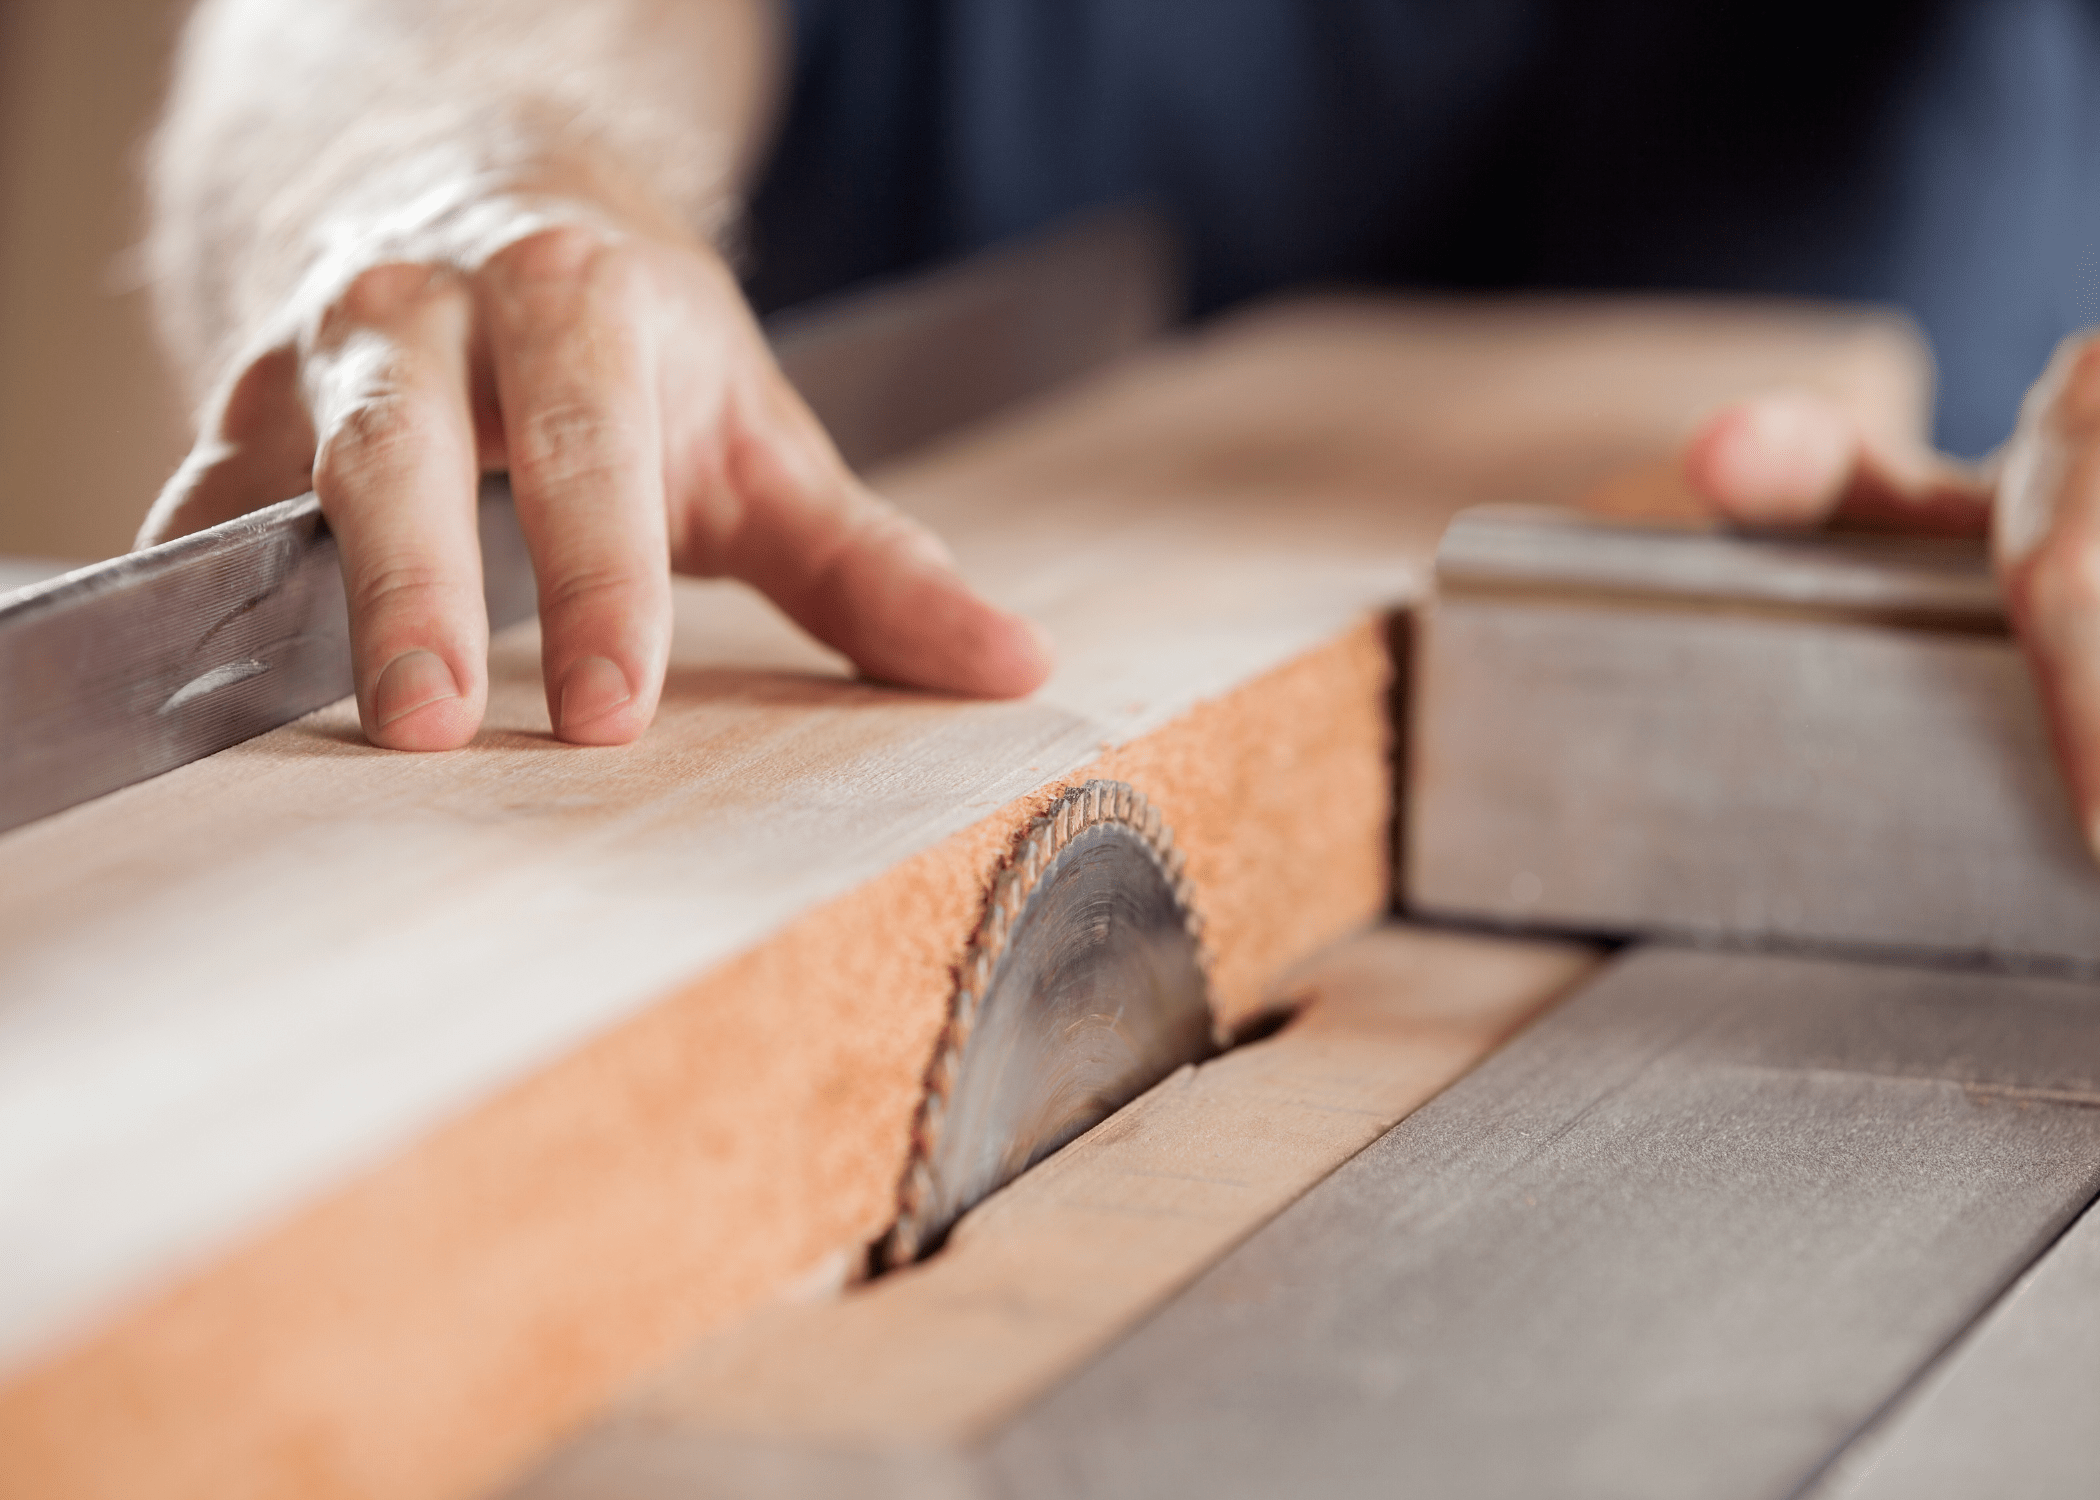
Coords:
pixel 1356 1030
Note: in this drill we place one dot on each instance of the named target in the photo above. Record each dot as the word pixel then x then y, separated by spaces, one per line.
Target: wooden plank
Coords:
pixel 1680 1237
pixel 369 1119
pixel 881 1389
pixel 1668 732
pixel 2010 1411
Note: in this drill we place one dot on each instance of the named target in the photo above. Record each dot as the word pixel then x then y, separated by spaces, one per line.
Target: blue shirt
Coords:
pixel 1943 156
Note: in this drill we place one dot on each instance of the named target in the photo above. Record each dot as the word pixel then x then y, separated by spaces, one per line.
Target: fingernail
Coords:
pixel 412 680
pixel 590 690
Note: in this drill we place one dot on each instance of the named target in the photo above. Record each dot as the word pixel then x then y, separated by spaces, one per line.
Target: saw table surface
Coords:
pixel 369 1122
pixel 1685 1237
pixel 1726 1225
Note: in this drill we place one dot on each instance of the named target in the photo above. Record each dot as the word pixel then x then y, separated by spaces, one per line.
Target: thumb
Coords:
pixel 858 573
pixel 256 448
pixel 2048 546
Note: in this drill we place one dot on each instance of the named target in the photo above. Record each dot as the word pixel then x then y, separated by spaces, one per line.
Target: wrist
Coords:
pixel 453 218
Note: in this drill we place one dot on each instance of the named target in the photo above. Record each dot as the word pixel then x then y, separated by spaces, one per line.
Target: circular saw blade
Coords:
pixel 1085 985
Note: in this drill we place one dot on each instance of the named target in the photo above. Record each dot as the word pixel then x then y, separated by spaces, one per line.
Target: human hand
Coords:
pixel 1798 460
pixel 621 379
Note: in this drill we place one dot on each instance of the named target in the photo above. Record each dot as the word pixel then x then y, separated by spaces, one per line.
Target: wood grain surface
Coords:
pixel 885 1389
pixel 1683 1236
pixel 368 1119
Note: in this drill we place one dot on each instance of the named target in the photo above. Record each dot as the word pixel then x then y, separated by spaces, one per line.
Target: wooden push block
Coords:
pixel 1680 731
pixel 367 1121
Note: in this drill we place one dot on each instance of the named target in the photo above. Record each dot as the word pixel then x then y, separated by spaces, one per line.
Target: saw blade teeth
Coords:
pixel 940 1081
pixel 931 1114
pixel 1080 808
